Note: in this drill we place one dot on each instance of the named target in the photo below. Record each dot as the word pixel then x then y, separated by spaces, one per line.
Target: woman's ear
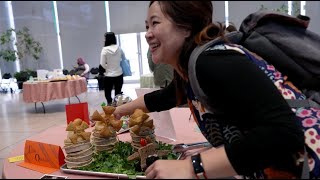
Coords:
pixel 185 32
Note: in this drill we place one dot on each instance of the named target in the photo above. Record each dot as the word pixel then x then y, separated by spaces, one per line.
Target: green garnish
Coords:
pixel 116 162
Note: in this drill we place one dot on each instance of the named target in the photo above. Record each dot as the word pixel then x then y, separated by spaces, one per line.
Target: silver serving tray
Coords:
pixel 64 169
pixel 178 148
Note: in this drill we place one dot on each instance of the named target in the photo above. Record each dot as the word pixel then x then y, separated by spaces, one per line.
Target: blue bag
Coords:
pixel 126 69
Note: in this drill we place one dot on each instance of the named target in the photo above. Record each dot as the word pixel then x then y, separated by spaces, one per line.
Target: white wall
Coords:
pixel 238 10
pixel 218 11
pixel 313 11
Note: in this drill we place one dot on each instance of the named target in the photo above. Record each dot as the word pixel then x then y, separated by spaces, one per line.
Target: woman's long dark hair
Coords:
pixel 195 16
pixel 110 39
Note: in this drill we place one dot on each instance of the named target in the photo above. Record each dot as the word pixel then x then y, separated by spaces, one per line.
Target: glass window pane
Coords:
pixel 144 51
pixel 128 43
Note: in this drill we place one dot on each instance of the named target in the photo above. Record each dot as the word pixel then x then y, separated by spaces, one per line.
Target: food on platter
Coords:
pixel 145 151
pixel 143 138
pixel 72 77
pixel 78 147
pixel 58 79
pixel 117 162
pixel 141 127
pixel 76 132
pixel 114 157
pixel 106 126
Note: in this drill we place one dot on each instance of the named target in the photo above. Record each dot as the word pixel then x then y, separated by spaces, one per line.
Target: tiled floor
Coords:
pixel 19 120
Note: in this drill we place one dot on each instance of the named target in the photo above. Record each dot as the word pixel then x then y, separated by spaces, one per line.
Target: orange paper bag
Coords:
pixel 42 157
pixel 79 110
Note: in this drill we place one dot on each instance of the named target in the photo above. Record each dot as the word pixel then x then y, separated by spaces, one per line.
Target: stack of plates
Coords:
pixel 79 155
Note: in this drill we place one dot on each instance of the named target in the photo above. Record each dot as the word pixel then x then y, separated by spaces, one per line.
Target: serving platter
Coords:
pixel 64 169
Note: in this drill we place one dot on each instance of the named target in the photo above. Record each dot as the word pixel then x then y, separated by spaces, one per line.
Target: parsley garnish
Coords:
pixel 116 161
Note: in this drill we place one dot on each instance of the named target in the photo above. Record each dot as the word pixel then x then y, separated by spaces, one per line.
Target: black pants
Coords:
pixel 109 83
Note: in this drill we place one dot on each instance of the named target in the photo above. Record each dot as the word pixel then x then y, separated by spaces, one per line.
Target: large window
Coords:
pixel 144 51
pixel 135 47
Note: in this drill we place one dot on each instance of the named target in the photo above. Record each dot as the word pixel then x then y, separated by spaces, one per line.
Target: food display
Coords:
pixel 143 138
pixel 77 145
pixel 72 77
pixel 106 126
pixel 116 164
pixel 141 129
pixel 60 78
pixel 114 158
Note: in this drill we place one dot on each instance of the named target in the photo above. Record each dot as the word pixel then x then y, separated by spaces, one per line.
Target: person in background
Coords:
pixel 162 73
pixel 83 68
pixel 111 55
pixel 246 119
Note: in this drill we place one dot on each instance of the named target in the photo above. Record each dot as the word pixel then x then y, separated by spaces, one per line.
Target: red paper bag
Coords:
pixel 79 110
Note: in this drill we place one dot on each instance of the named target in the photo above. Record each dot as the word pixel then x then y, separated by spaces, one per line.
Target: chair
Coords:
pixel 94 71
pixel 6 76
pixel 6 85
pixel 65 72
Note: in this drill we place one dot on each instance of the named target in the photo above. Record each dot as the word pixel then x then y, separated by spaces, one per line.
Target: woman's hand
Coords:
pixel 129 108
pixel 118 113
pixel 171 169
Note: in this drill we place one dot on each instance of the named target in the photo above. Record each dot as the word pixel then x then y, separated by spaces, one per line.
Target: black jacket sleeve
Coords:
pixel 250 100
pixel 161 100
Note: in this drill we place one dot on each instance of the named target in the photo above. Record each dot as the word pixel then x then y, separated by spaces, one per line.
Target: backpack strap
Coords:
pixel 307 103
pixel 235 37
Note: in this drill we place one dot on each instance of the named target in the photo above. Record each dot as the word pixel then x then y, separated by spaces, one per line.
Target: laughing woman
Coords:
pixel 255 134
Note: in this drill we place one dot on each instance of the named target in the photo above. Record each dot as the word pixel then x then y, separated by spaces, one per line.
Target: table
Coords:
pixel 34 92
pixel 185 131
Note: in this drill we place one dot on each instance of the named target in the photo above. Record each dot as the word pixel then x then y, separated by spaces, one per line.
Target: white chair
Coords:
pixel 5 85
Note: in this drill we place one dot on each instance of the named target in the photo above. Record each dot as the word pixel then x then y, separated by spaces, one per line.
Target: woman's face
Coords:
pixel 165 39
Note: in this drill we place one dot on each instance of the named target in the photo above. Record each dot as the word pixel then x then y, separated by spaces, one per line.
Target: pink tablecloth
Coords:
pixel 46 91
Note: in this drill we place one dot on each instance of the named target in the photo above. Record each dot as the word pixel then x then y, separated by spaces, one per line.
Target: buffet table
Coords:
pixel 34 92
pixel 185 133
